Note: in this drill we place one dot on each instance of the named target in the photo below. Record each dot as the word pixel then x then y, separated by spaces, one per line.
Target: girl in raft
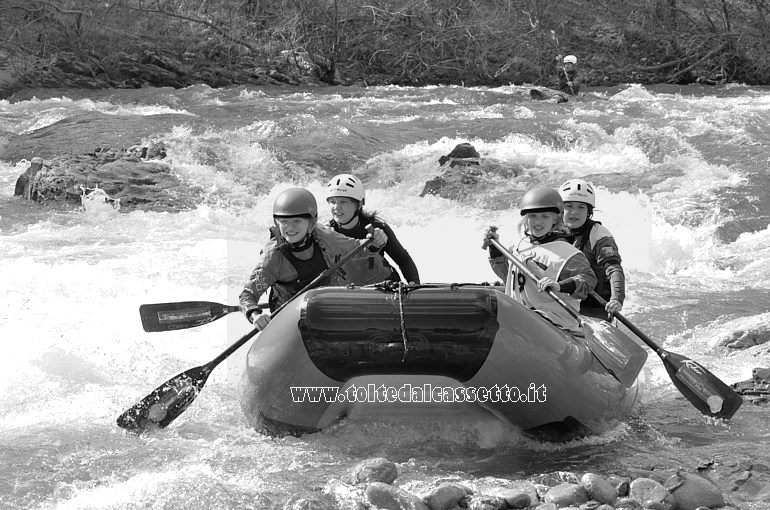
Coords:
pixel 597 244
pixel 542 247
pixel 300 250
pixel 345 194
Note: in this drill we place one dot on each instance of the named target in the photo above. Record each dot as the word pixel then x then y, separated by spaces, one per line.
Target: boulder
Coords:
pixel 756 389
pixel 467 174
pixel 128 175
pixel 24 182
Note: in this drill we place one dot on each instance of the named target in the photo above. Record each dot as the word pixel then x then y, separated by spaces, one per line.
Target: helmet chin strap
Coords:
pixel 301 245
pixel 352 218
pixel 306 241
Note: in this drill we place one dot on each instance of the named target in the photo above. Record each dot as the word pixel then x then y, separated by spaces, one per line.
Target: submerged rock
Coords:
pixel 376 469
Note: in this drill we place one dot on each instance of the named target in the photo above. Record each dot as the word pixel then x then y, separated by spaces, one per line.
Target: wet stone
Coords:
pixel 567 494
pixel 516 498
pixel 646 489
pixel 694 491
pixel 598 488
pixel 488 503
pixel 627 503
pixel 389 497
pixel 376 469
pixel 447 496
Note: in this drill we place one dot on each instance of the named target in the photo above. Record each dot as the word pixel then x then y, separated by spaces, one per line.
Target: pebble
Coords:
pixel 681 490
pixel 447 496
pixel 693 491
pixel 567 494
pixel 515 498
pixel 599 489
pixel 650 491
pixel 389 497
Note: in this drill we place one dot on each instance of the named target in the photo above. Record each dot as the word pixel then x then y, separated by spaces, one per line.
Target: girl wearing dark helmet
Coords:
pixel 597 244
pixel 562 267
pixel 300 250
pixel 345 195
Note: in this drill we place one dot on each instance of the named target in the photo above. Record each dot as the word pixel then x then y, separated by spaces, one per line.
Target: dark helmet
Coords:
pixel 295 202
pixel 541 200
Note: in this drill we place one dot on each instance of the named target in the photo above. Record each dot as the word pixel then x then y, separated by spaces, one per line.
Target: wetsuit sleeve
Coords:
pixel 577 278
pixel 608 258
pixel 396 251
pixel 260 280
pixel 617 280
pixel 499 264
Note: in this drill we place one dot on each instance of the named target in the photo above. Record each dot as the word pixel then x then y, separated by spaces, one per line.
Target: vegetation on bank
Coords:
pixel 132 43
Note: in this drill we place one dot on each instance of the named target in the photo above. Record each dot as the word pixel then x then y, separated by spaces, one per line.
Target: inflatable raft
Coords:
pixel 435 347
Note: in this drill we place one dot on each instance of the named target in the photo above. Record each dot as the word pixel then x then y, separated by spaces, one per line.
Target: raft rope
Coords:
pixel 401 314
pixel 401 288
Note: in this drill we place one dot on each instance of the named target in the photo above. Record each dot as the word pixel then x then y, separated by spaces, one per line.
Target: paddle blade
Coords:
pixel 621 356
pixel 167 402
pixel 703 389
pixel 182 315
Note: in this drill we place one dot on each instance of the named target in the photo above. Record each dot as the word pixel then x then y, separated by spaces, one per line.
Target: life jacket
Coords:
pixel 307 271
pixel 546 259
pixel 586 239
pixel 369 270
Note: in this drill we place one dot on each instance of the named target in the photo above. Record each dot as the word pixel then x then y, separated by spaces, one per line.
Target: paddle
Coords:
pixel 173 397
pixel 612 355
pixel 183 315
pixel 703 389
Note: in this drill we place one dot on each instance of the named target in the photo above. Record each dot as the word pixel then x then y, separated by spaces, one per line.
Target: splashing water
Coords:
pixel 679 179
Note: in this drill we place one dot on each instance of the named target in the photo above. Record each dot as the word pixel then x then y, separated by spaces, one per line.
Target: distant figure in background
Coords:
pixel 345 194
pixel 560 267
pixel 597 244
pixel 566 68
pixel 299 251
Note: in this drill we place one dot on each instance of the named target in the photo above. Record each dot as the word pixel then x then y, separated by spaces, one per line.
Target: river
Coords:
pixel 682 181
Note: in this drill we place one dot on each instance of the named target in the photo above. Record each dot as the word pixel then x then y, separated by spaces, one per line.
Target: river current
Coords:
pixel 682 182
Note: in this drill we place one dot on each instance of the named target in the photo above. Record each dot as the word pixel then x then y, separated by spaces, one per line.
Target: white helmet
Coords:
pixel 570 59
pixel 345 185
pixel 578 190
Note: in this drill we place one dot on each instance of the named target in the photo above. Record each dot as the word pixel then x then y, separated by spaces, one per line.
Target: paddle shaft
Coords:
pixel 566 75
pixel 630 325
pixel 173 397
pixel 245 338
pixel 705 391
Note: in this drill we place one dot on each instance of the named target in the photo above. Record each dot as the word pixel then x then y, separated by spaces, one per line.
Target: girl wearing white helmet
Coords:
pixel 569 81
pixel 562 267
pixel 346 196
pixel 598 245
pixel 299 250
